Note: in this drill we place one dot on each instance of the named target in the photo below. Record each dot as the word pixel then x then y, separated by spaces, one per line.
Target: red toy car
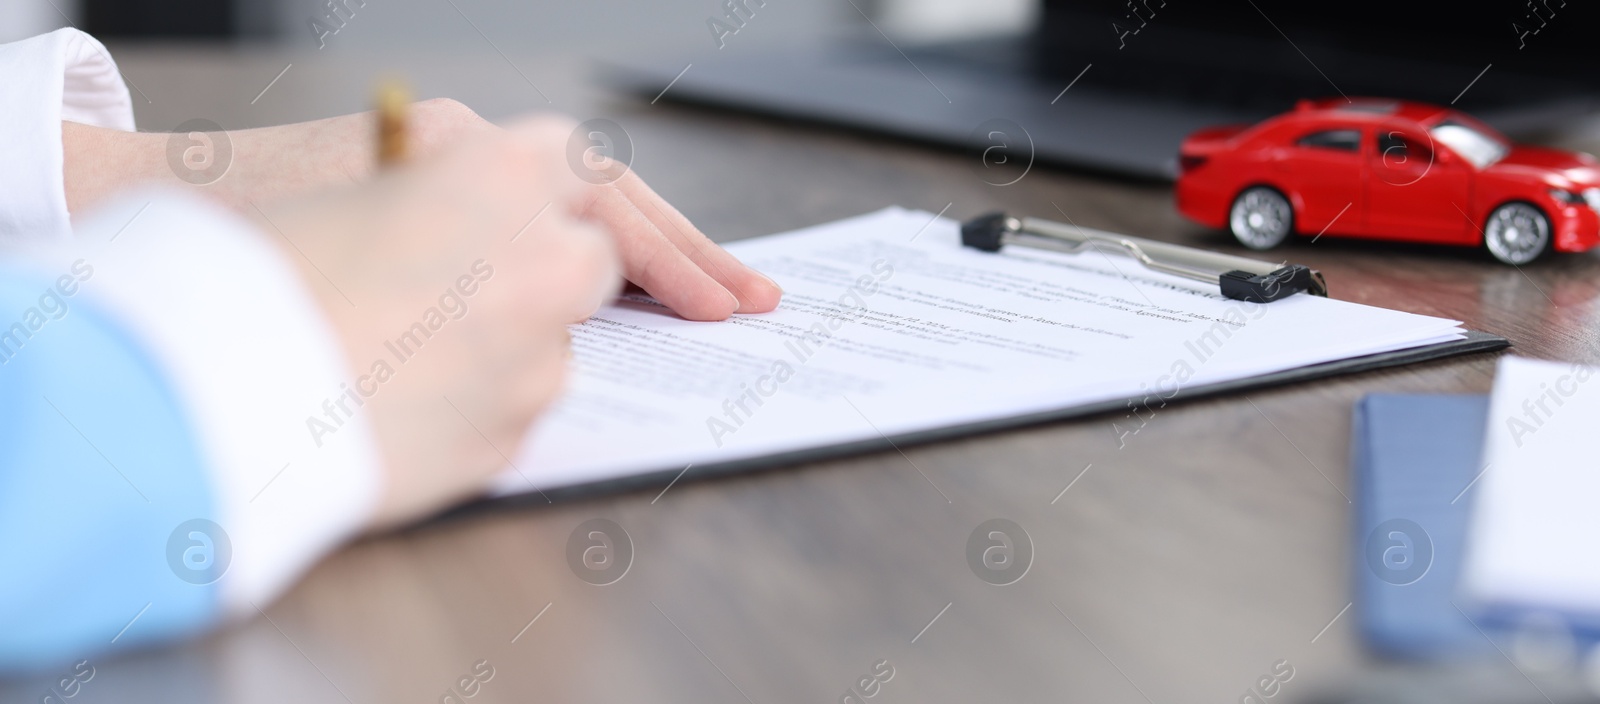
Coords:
pixel 1389 169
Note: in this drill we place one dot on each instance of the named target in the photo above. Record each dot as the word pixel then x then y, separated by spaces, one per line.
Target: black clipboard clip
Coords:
pixel 1238 278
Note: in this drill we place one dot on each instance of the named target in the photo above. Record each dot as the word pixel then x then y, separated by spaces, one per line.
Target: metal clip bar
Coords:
pixel 1237 277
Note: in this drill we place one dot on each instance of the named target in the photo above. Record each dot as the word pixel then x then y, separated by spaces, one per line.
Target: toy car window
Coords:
pixel 1394 148
pixel 1344 140
pixel 1391 144
pixel 1473 145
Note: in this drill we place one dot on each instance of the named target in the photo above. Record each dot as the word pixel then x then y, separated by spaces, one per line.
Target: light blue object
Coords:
pixel 1414 458
pixel 98 468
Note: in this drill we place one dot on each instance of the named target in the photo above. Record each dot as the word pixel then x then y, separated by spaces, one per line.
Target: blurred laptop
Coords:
pixel 1115 86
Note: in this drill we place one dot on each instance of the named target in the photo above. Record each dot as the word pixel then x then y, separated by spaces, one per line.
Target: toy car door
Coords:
pixel 1416 189
pixel 1325 172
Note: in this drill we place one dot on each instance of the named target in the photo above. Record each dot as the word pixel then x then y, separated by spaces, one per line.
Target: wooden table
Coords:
pixel 1179 567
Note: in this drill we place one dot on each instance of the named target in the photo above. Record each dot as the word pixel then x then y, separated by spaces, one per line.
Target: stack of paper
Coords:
pixel 1536 520
pixel 890 327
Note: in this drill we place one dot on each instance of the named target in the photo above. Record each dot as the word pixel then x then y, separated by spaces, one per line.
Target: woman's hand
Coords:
pixel 450 282
pixel 660 250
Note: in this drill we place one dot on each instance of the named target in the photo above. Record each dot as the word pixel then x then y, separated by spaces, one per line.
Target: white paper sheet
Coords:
pixel 889 326
pixel 1536 511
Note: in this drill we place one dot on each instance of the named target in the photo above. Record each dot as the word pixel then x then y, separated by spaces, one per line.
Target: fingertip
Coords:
pixel 762 295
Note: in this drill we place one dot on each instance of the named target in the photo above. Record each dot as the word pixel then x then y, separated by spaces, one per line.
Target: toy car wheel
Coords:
pixel 1516 233
pixel 1261 218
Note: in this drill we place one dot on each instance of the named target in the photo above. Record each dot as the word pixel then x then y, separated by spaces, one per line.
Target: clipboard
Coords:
pixel 644 477
pixel 651 481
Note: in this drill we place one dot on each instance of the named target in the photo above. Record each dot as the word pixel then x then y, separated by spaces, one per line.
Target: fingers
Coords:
pixel 653 262
pixel 755 293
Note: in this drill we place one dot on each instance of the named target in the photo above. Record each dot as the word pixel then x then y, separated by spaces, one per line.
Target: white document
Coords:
pixel 1536 516
pixel 888 326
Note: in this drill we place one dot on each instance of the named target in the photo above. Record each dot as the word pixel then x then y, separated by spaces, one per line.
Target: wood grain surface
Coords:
pixel 1177 568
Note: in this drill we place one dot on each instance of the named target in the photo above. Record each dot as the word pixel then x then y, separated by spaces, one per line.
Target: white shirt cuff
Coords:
pixel 250 354
pixel 63 75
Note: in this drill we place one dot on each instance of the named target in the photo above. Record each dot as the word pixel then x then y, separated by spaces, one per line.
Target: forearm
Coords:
pixel 235 168
pixel 98 162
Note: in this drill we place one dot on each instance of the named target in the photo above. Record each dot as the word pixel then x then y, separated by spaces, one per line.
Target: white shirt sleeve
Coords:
pixel 63 75
pixel 250 355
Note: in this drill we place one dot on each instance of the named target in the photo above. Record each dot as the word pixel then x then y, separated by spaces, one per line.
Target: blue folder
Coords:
pixel 1414 458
